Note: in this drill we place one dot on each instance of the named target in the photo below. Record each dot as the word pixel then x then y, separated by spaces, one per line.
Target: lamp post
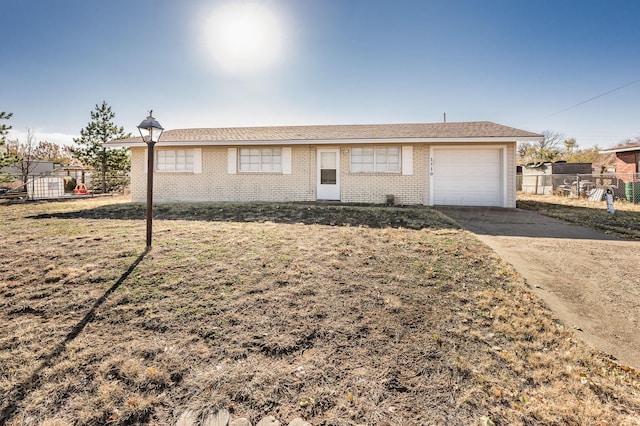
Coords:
pixel 150 130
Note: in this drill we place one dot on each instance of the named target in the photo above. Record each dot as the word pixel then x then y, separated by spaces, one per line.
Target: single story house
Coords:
pixel 627 161
pixel 464 163
pixel 35 168
pixel 627 169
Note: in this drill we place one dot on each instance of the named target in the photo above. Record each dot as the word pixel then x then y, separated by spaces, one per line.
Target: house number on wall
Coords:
pixel 430 166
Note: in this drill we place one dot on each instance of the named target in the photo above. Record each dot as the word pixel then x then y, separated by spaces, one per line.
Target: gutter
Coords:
pixel 499 139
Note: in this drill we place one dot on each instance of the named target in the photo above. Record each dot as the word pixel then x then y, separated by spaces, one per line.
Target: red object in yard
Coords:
pixel 81 188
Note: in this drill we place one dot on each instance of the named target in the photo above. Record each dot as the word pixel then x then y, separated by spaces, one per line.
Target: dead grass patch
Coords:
pixel 624 223
pixel 366 321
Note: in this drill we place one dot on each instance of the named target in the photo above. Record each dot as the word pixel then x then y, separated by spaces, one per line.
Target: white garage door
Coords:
pixel 467 177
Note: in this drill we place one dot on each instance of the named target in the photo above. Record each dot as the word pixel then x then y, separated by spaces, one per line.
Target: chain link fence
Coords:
pixel 59 185
pixel 625 186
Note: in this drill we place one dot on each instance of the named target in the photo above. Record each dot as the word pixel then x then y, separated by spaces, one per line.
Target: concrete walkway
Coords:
pixel 589 279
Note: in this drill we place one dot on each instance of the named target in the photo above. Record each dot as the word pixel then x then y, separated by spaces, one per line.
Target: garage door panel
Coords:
pixel 470 177
pixel 469 156
pixel 464 200
pixel 484 185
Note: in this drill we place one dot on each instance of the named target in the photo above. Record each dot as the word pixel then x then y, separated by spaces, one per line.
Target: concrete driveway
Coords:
pixel 589 279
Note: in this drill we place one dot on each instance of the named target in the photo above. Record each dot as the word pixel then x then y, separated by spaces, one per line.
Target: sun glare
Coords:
pixel 243 37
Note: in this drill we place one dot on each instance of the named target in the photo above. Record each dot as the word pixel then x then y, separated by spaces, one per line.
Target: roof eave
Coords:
pixel 477 139
pixel 614 150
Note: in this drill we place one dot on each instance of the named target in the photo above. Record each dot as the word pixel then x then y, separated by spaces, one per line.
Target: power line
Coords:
pixel 595 97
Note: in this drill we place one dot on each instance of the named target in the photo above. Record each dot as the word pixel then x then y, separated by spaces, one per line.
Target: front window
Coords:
pixel 370 159
pixel 174 160
pixel 260 160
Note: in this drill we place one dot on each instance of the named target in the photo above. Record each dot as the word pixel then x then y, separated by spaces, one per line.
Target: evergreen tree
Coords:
pixel 92 150
pixel 6 158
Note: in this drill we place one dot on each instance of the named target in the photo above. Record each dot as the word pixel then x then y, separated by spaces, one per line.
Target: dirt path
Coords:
pixel 591 280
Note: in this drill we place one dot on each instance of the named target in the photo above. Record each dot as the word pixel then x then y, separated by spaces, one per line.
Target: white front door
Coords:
pixel 328 176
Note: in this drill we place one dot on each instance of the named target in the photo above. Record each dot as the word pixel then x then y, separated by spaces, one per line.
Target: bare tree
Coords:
pixel 50 151
pixel 630 141
pixel 26 154
pixel 548 149
pixel 523 149
pixel 551 139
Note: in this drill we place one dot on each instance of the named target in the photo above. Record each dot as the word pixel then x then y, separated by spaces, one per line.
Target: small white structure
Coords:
pixel 46 187
pixel 537 179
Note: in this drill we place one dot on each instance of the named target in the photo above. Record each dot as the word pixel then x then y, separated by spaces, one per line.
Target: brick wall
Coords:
pixel 138 176
pixel 374 187
pixel 626 163
pixel 216 184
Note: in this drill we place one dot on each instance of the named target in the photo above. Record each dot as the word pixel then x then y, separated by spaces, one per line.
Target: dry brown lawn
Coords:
pixel 342 315
pixel 624 223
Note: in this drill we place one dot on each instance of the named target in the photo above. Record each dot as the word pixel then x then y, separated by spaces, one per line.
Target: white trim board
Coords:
pixel 477 140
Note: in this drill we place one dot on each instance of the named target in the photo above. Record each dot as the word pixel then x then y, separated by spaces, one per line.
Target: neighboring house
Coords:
pixel 627 160
pixel 467 163
pixel 36 168
pixel 627 166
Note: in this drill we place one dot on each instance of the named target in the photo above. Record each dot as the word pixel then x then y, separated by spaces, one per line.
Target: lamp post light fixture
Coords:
pixel 150 130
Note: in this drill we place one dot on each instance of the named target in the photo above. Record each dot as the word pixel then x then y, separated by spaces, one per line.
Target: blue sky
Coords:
pixel 514 62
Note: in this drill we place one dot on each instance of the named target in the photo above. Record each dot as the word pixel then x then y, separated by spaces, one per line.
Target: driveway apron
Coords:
pixel 589 279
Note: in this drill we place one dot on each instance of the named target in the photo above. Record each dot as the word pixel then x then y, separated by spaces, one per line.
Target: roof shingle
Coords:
pixel 476 129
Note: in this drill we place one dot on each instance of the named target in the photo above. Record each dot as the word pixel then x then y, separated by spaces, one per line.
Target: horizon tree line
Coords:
pixel 89 151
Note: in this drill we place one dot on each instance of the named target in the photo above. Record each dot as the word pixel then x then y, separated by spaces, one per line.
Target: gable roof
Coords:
pixel 476 131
